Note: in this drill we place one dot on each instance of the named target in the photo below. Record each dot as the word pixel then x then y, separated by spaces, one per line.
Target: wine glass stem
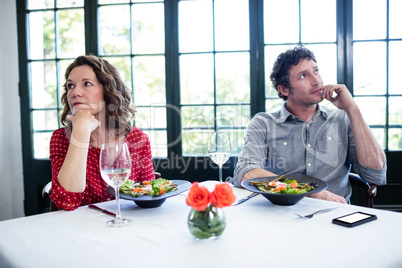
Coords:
pixel 220 174
pixel 118 215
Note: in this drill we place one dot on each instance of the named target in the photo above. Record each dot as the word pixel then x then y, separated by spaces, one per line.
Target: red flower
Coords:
pixel 199 197
pixel 222 196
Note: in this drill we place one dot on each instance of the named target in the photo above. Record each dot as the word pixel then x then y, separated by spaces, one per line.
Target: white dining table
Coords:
pixel 258 234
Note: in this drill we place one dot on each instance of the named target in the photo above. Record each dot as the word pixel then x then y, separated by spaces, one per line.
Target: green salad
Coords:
pixel 286 187
pixel 153 187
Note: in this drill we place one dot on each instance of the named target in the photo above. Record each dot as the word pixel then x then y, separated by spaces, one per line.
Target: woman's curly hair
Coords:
pixel 285 61
pixel 118 109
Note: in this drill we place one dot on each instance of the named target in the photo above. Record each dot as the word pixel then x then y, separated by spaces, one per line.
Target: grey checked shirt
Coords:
pixel 324 148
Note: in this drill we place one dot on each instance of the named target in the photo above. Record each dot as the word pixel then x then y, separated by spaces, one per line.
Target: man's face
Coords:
pixel 305 84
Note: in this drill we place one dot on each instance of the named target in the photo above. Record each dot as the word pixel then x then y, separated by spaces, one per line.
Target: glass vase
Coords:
pixel 206 224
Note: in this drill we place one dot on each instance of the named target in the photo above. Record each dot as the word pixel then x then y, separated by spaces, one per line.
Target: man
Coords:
pixel 307 138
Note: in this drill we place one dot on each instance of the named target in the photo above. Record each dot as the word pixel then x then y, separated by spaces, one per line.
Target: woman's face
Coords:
pixel 84 92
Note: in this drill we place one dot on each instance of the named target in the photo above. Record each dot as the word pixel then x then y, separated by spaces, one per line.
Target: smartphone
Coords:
pixel 354 219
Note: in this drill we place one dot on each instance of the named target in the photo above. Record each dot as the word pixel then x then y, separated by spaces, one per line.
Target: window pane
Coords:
pixel 149 80
pixel 71 33
pixel 231 28
pixel 40 4
pixel 41 35
pixel 195 142
pixel 125 1
pixel 114 30
pixel 159 144
pixel 369 19
pixel 326 56
pixel 379 134
pixel 395 59
pixel 197 117
pixel 232 77
pixel 45 120
pixel 369 71
pixel 232 116
pixel 123 65
pixel 148 28
pixel 70 3
pixel 196 79
pixel 197 123
pixel 395 138
pixel 41 144
pixel 372 109
pixel 395 19
pixel 195 26
pixel 150 117
pixel 395 110
pixel 101 2
pixel 278 27
pixel 43 84
pixel 149 1
pixel 318 16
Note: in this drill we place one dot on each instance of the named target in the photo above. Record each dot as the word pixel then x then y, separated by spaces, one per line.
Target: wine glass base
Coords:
pixel 118 223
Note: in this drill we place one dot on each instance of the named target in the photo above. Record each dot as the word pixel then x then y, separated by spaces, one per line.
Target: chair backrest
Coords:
pixel 369 189
pixel 45 194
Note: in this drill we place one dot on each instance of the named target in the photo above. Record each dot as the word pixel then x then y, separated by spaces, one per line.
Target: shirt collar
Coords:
pixel 284 114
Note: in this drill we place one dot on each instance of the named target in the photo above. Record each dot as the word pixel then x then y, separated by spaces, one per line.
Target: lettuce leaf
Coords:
pixel 287 181
pixel 156 186
pixel 158 182
pixel 127 187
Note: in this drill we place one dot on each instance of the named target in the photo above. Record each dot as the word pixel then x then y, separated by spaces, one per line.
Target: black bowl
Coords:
pixel 148 201
pixel 286 199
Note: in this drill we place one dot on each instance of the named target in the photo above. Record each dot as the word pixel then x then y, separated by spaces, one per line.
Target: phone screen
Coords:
pixel 354 219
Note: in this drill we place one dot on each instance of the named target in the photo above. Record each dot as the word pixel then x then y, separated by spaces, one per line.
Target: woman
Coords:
pixel 96 109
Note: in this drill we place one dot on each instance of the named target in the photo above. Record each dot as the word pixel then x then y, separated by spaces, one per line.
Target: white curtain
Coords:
pixel 11 175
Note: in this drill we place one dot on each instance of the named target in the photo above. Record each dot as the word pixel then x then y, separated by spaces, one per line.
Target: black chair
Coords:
pixel 370 190
pixel 48 187
pixel 45 194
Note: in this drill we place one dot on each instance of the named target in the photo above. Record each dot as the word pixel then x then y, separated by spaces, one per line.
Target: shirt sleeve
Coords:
pixel 255 150
pixel 58 150
pixel 370 175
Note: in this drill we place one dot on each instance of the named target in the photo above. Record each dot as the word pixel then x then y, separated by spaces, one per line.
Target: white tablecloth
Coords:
pixel 257 233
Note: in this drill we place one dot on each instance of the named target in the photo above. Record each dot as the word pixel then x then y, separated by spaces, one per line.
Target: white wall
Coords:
pixel 11 175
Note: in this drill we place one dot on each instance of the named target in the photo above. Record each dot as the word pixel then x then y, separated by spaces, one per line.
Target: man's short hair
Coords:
pixel 285 61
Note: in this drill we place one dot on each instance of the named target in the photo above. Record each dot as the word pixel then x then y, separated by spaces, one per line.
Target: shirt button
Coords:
pixel 309 164
pixel 309 145
pixel 285 143
pixel 329 138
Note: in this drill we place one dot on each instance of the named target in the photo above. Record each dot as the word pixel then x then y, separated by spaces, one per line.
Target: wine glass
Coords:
pixel 115 168
pixel 219 149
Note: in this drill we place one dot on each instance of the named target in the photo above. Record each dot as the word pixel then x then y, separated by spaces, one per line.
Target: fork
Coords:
pixel 309 216
pixel 245 199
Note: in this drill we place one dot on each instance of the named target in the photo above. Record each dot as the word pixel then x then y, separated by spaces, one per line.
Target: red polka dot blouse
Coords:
pixel 95 190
